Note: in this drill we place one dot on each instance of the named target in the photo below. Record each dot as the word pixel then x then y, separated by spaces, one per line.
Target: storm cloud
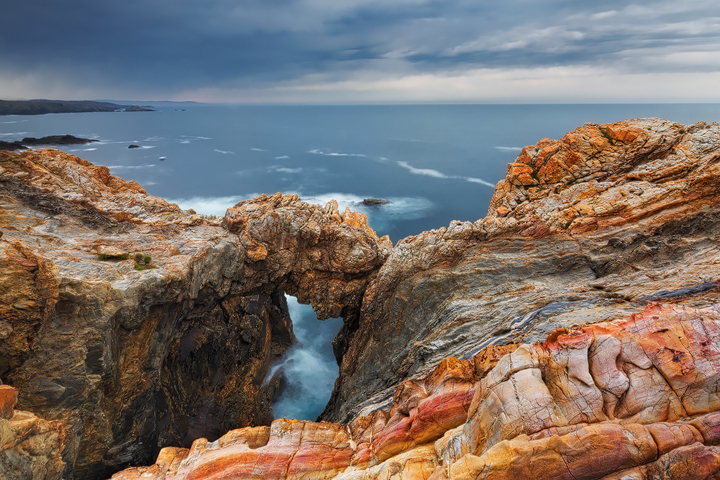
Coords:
pixel 360 50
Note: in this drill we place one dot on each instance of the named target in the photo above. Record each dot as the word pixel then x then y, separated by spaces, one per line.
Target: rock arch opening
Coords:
pixel 306 373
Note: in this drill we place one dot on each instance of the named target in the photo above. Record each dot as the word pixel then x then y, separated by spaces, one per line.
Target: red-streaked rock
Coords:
pixel 288 449
pixel 538 413
pixel 585 228
pixel 423 411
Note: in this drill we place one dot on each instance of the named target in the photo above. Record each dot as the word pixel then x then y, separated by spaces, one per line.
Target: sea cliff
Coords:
pixel 571 333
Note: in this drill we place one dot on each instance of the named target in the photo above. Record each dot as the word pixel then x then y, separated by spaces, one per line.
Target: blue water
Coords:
pixel 435 163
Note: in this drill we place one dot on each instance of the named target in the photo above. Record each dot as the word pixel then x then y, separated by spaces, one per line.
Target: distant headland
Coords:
pixel 41 107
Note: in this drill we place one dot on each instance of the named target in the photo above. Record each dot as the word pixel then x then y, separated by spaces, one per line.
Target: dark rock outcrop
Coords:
pixel 49 140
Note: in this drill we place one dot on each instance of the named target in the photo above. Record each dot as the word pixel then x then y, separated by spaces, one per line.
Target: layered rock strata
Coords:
pixel 635 398
pixel 134 325
pixel 587 228
pixel 571 333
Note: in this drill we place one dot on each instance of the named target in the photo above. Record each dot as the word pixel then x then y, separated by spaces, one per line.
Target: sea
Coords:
pixel 432 163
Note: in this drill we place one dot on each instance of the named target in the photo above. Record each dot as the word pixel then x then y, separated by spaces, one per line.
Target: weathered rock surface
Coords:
pixel 29 446
pixel 572 333
pixel 131 360
pixel 632 398
pixel 587 228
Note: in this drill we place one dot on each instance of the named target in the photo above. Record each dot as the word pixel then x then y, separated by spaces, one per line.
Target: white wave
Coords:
pixel 13 134
pixel 318 151
pixel 154 139
pixel 224 152
pixel 509 149
pixel 480 181
pixel 310 375
pixel 211 205
pixel 428 172
pixel 131 167
pixel 379 216
pixel 147 147
pixel 191 138
pixel 255 149
pixel 285 170
pixel 281 157
pixel 89 149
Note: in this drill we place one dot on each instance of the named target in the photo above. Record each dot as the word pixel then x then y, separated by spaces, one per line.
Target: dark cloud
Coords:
pixel 180 45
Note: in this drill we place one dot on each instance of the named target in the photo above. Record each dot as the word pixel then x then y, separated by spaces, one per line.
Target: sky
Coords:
pixel 362 51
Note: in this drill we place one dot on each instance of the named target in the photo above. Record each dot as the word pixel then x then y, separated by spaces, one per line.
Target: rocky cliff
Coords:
pixel 588 228
pixel 131 324
pixel 572 333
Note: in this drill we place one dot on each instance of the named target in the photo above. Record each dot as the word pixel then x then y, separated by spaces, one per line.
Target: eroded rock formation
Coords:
pixel 126 358
pixel 572 333
pixel 635 398
pixel 587 228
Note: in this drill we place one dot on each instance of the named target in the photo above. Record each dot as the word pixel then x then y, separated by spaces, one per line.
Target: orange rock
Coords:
pixel 8 399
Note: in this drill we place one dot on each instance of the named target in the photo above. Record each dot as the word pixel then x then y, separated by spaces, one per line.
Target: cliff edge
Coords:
pixel 571 333
pixel 132 324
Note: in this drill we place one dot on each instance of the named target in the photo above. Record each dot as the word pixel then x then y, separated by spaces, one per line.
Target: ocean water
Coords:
pixel 434 163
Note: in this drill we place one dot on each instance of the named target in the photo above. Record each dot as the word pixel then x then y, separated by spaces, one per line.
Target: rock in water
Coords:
pixel 375 201
pixel 571 333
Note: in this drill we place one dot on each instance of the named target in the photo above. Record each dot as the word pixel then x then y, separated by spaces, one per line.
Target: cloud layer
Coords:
pixel 362 50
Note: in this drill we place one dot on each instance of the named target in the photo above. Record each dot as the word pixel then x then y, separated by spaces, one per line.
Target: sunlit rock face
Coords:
pixel 635 398
pixel 588 228
pixel 573 333
pixel 134 325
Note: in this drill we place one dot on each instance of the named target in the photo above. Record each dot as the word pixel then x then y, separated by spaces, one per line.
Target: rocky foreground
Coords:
pixel 572 333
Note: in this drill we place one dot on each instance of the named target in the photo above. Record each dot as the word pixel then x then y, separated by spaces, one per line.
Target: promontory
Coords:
pixel 572 333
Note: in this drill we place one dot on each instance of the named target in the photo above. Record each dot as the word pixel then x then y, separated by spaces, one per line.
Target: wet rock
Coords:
pixel 375 201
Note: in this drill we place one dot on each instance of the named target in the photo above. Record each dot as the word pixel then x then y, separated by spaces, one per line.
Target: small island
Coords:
pixel 42 107
pixel 49 140
pixel 375 201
